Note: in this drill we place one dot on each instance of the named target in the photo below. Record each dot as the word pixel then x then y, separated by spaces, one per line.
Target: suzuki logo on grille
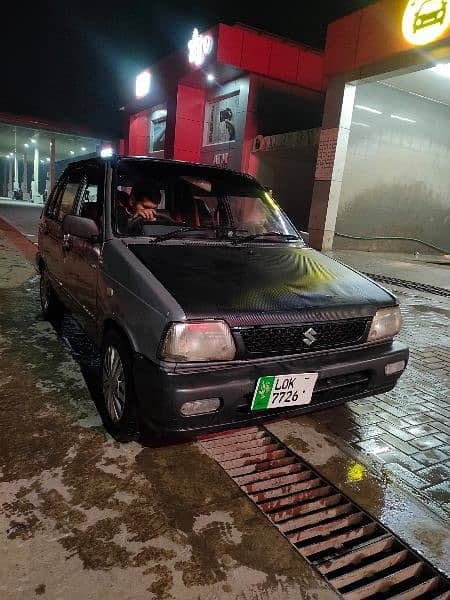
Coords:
pixel 310 336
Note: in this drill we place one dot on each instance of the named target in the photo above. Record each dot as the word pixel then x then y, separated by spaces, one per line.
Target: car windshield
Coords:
pixel 175 200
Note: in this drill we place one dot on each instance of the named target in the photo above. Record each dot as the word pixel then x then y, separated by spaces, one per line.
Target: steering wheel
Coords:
pixel 163 219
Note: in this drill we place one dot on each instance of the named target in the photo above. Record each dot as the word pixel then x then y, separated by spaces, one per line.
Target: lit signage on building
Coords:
pixel 425 21
pixel 199 47
pixel 143 84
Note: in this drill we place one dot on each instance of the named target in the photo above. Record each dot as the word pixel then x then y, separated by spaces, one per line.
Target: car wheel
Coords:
pixel 119 398
pixel 50 305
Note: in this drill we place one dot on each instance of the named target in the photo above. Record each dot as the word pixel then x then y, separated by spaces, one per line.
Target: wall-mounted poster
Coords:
pixel 157 128
pixel 221 116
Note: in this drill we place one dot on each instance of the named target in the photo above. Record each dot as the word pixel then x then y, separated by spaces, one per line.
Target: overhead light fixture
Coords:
pixel 368 109
pixel 42 161
pixel 72 152
pixel 33 141
pixel 143 84
pixel 399 118
pixel 360 124
pixel 83 149
pixel 27 145
pixel 442 69
pixel 210 77
pixel 47 159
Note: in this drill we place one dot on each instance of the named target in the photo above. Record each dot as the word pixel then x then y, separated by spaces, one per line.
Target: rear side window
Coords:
pixel 66 196
pixel 68 199
pixel 90 197
pixel 53 198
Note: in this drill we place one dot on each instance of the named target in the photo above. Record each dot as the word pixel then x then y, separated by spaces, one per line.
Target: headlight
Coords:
pixel 199 341
pixel 385 324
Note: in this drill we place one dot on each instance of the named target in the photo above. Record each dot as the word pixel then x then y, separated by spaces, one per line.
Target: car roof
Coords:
pixel 197 168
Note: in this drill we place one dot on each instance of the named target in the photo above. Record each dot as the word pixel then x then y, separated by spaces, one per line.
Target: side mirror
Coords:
pixel 81 227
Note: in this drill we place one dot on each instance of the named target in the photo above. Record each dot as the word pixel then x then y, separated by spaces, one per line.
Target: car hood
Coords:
pixel 260 284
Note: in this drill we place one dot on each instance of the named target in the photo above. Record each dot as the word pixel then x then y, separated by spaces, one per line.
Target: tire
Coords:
pixel 51 307
pixel 117 383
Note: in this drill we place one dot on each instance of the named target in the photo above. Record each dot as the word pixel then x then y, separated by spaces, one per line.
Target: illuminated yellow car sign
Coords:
pixel 425 21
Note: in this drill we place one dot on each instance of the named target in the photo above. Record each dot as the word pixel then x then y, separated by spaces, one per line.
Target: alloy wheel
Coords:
pixel 114 391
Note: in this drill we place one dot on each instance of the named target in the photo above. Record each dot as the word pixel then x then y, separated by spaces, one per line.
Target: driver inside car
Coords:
pixel 139 209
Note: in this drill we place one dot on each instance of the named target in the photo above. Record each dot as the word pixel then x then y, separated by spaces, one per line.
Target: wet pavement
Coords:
pixel 24 216
pixel 431 270
pixel 84 517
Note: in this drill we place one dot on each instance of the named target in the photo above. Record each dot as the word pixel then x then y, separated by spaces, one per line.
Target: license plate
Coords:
pixel 282 391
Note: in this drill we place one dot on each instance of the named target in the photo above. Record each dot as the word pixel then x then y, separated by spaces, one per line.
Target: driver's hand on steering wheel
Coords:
pixel 148 214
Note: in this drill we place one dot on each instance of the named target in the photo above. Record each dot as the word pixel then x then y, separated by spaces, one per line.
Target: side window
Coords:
pixel 90 202
pixel 54 197
pixel 67 196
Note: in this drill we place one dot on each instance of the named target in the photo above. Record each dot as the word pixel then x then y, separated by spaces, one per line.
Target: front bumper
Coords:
pixel 343 375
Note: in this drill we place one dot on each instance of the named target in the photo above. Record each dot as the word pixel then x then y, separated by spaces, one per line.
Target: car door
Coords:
pixel 82 256
pixel 50 231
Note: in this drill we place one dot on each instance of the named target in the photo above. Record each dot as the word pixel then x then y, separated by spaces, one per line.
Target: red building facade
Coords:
pixel 208 101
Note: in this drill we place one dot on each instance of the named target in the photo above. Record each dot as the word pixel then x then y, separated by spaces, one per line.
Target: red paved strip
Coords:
pixel 24 245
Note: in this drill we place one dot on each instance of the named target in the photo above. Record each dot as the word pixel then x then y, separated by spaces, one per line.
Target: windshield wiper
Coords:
pixel 178 232
pixel 249 238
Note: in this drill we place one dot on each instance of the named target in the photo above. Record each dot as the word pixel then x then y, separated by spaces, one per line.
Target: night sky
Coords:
pixel 77 61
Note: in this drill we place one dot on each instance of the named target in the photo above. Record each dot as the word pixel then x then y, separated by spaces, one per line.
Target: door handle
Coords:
pixel 67 242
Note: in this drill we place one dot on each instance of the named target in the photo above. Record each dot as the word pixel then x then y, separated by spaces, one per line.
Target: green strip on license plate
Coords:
pixel 262 395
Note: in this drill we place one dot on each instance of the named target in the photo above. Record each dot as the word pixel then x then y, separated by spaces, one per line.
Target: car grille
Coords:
pixel 299 339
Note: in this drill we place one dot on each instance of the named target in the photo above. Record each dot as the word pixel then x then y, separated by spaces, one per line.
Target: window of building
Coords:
pixel 221 114
pixel 157 136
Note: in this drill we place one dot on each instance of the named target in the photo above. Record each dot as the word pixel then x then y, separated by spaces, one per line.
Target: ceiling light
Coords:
pixel 399 118
pixel 72 152
pixel 42 160
pixel 143 84
pixel 368 109
pixel 210 77
pixel 47 159
pixel 442 69
pixel 83 149
pixel 360 124
pixel 27 145
pixel 34 141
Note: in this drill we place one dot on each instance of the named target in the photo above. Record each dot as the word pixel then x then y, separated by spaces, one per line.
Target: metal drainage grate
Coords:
pixel 412 285
pixel 353 551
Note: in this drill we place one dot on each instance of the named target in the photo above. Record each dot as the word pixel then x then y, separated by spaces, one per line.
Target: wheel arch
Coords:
pixel 111 324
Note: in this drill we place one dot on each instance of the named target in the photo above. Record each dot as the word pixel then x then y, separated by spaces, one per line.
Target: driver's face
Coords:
pixel 147 203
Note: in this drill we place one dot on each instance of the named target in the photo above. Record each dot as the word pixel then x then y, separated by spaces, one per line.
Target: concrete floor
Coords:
pixel 84 517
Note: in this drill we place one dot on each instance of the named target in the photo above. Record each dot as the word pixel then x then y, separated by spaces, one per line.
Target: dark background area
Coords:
pixel 77 61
